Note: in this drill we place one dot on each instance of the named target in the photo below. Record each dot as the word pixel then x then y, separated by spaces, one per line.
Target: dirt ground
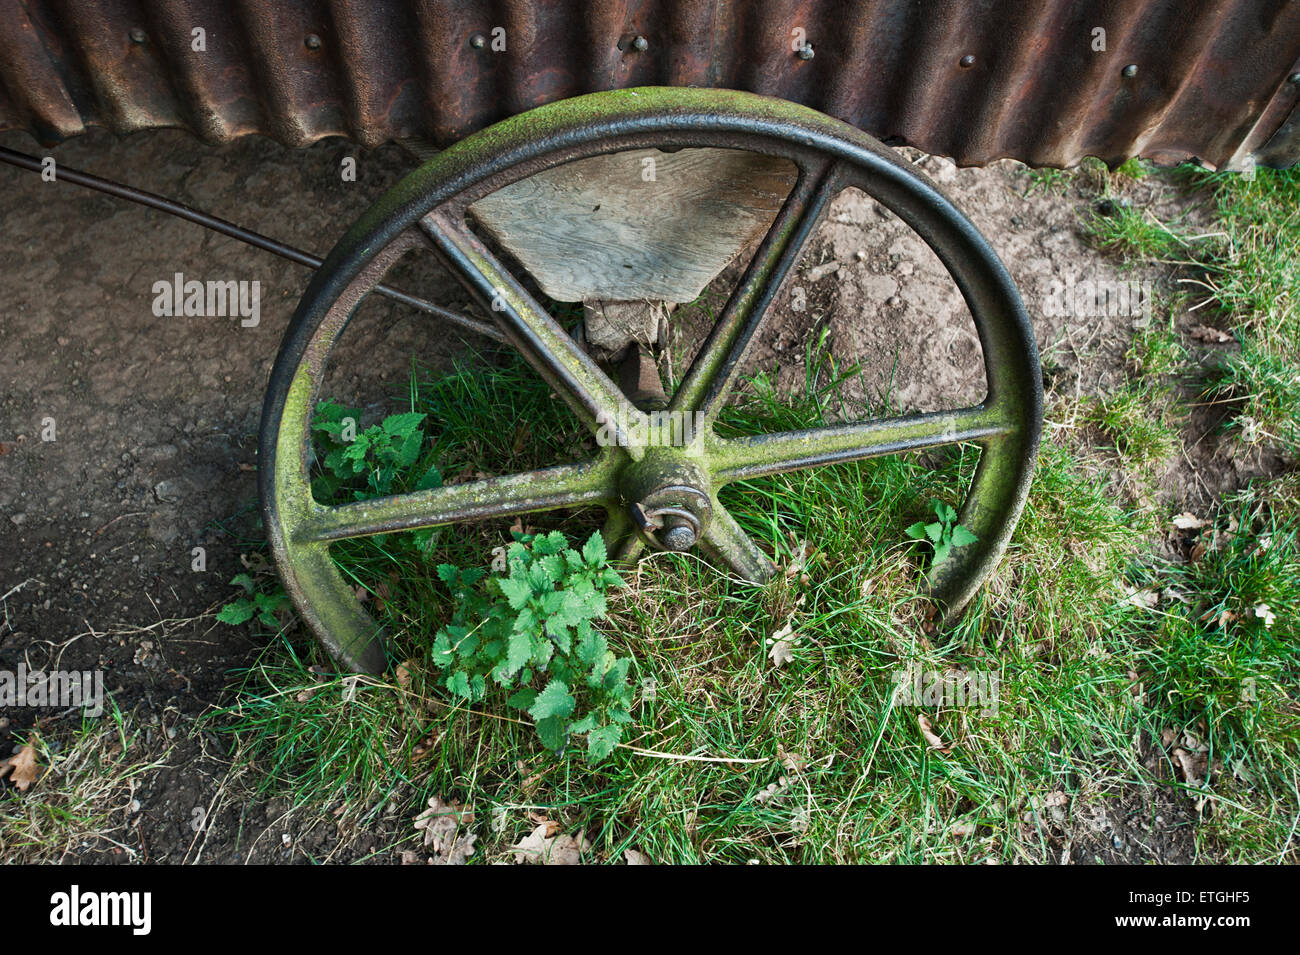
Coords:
pixel 156 420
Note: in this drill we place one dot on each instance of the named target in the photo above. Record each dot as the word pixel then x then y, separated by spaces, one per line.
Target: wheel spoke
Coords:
pixel 762 454
pixel 727 541
pixel 571 485
pixel 539 338
pixel 716 366
pixel 621 535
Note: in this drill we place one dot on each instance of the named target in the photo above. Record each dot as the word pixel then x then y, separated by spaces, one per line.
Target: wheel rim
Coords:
pixel 669 493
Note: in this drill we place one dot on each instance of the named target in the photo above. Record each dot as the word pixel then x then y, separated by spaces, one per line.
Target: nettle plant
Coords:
pixel 381 454
pixel 532 632
pixel 372 463
pixel 528 632
pixel 944 534
pixel 264 605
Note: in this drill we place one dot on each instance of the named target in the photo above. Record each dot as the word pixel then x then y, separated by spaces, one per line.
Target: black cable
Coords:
pixel 255 239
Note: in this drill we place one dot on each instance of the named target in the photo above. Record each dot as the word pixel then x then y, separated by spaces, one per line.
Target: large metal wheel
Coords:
pixel 671 492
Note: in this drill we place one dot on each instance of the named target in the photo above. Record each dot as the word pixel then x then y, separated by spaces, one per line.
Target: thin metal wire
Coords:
pixel 224 227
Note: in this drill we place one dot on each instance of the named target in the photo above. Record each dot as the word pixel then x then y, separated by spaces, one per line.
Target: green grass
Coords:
pixel 1137 421
pixel 1224 661
pixel 1261 387
pixel 82 801
pixel 1256 280
pixel 731 758
pixel 1049 181
pixel 1214 663
pixel 1132 169
pixel 1255 275
pixel 1231 661
pixel 1157 352
pixel 1246 270
pixel 1135 234
pixel 1117 223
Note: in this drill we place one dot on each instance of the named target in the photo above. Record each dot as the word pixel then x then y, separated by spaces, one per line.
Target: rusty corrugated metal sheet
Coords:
pixel 976 80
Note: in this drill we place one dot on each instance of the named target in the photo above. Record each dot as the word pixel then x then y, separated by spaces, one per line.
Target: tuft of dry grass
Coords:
pixel 85 798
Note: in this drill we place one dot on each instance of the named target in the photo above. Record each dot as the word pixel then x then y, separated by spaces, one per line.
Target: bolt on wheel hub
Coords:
pixel 671 500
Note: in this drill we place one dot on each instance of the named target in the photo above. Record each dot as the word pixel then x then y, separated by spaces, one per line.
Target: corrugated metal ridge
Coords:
pixel 976 80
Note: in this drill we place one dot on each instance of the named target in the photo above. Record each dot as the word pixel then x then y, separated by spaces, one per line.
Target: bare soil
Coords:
pixel 156 421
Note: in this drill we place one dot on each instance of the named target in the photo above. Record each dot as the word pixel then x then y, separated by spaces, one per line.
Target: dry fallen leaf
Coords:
pixel 1147 599
pixel 382 592
pixel 1263 612
pixel 1188 521
pixel 793 762
pixel 528 785
pixel 425 746
pixel 443 823
pixel 21 768
pixel 1135 684
pixel 771 791
pixel 1190 766
pixel 539 819
pixel 1224 615
pixel 537 848
pixel 1204 333
pixel 931 737
pixel 782 652
pixel 403 674
pixel 532 847
pixel 635 858
pixel 819 272
pixel 781 645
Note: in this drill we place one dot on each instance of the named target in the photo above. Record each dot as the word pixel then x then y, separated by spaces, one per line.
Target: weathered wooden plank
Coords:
pixel 641 224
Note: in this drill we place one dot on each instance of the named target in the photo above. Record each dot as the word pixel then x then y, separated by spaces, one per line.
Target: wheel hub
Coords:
pixel 671 501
